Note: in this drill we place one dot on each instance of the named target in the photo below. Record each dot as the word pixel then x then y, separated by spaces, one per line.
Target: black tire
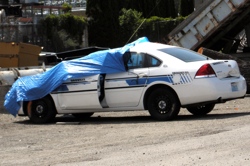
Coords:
pixel 201 110
pixel 83 115
pixel 163 104
pixel 42 111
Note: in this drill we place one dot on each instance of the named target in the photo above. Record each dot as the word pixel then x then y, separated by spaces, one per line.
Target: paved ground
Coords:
pixel 130 138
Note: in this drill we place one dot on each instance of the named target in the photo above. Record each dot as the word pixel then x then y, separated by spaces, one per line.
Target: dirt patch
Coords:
pixel 130 138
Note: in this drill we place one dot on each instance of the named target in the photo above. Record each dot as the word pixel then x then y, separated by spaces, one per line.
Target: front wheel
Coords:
pixel 163 104
pixel 41 110
pixel 201 110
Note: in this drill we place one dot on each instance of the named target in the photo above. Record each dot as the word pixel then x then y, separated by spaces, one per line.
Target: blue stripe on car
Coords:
pixel 135 82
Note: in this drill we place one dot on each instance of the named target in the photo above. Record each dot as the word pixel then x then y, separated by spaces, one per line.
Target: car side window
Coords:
pixel 140 60
pixel 137 60
pixel 152 61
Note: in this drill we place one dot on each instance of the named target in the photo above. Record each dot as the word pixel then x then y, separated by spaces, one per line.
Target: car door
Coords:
pixel 125 89
pixel 81 93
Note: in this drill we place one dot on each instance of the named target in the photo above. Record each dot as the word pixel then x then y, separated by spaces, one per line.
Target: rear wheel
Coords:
pixel 83 115
pixel 41 110
pixel 163 104
pixel 201 110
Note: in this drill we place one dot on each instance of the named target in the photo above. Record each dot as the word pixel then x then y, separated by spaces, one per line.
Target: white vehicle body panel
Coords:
pixel 118 92
pixel 127 90
pixel 78 98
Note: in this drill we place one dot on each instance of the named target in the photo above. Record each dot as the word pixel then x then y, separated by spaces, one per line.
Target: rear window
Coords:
pixel 184 54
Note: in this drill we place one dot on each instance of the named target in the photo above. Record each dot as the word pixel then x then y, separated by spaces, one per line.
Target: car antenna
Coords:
pixel 143 22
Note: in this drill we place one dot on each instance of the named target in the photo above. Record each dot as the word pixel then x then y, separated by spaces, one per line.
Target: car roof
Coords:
pixel 149 46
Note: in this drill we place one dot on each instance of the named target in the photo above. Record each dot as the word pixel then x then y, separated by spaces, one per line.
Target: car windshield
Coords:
pixel 184 54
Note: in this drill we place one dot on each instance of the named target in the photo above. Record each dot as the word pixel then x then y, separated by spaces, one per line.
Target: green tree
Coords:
pixel 149 8
pixel 186 7
pixel 104 26
pixel 66 8
pixel 63 32
pixel 129 21
pixel 157 28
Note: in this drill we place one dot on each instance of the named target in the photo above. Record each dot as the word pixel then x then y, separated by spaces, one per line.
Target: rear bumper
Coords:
pixel 219 100
pixel 212 90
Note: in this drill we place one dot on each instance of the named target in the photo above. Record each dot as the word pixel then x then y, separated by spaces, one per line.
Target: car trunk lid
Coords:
pixel 225 68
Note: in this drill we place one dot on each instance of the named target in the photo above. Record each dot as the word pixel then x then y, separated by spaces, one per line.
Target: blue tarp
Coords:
pixel 37 86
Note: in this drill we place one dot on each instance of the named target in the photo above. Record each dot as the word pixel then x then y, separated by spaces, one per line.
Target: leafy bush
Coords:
pixel 157 28
pixel 133 25
pixel 186 7
pixel 129 20
pixel 54 26
pixel 66 7
pixel 114 23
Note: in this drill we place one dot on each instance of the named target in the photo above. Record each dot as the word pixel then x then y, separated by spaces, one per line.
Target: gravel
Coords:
pixel 130 138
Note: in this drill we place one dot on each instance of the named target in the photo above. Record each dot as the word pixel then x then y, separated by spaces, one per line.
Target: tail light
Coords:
pixel 205 71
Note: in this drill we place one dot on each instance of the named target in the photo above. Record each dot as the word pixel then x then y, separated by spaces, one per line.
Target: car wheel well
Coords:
pixel 25 105
pixel 154 87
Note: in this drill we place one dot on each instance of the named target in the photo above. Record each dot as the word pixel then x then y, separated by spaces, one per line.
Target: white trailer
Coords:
pixel 213 25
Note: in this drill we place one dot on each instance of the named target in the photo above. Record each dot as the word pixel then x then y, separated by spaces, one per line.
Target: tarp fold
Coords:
pixel 37 86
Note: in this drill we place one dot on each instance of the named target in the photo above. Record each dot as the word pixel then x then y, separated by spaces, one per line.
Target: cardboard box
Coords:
pixel 18 54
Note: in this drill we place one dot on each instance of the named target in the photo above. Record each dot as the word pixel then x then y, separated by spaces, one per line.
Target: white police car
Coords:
pixel 158 78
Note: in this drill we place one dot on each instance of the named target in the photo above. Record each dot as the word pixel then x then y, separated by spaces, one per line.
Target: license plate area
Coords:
pixel 234 86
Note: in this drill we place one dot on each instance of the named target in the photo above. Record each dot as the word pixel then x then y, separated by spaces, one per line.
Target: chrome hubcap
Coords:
pixel 39 109
pixel 162 105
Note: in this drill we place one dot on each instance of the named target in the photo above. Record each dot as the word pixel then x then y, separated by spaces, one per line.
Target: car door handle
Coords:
pixel 141 75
